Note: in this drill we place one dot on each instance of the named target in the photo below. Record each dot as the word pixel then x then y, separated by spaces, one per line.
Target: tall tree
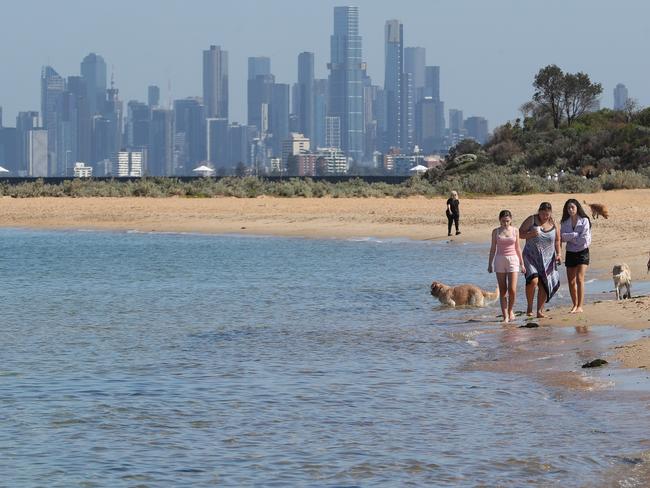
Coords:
pixel 578 95
pixel 549 88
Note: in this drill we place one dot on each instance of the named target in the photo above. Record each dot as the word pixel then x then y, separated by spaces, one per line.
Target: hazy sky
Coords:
pixel 488 50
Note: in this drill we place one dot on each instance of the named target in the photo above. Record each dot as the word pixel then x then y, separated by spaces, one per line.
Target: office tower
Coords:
pixel 189 135
pixel 620 96
pixel 52 89
pixel 293 145
pixel 306 93
pixel 138 123
pixel 240 140
pixel 37 152
pixel 455 121
pixel 321 96
pixel 414 62
pixel 9 150
pixel 430 125
pixel 77 122
pixel 407 101
pixel 25 122
pixel 258 66
pixel 215 82
pixel 333 132
pixel 128 164
pixel 432 82
pixel 393 37
pixel 279 116
pixel 159 161
pixel 477 129
pixel 217 142
pixel 259 99
pixel 93 71
pixel 153 96
pixel 345 80
pixel 371 142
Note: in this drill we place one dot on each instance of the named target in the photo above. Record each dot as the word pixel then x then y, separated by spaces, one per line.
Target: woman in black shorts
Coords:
pixel 575 230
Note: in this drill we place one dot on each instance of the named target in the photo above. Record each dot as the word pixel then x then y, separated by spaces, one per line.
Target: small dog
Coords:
pixel 622 278
pixel 470 295
pixel 597 209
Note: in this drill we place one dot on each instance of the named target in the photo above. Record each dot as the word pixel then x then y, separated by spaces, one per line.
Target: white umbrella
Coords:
pixel 204 170
pixel 419 169
pixel 3 170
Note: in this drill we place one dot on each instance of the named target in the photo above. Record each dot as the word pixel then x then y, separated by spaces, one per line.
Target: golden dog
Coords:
pixel 597 209
pixel 470 295
pixel 622 279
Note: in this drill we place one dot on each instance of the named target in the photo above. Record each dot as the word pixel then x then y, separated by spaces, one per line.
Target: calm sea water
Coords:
pixel 185 360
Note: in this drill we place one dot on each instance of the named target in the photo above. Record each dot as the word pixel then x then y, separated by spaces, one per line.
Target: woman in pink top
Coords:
pixel 505 252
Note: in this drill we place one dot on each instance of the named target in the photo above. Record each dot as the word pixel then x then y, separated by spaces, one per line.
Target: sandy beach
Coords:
pixel 624 237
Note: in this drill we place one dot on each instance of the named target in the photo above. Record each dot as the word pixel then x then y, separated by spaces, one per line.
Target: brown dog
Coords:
pixel 597 209
pixel 469 295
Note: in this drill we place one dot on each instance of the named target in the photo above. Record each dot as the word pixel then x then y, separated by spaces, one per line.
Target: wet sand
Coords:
pixel 624 237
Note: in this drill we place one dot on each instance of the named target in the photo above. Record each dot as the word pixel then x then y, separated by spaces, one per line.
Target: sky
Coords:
pixel 488 50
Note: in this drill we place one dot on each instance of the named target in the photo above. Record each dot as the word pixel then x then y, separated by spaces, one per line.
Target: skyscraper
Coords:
pixel 394 49
pixel 93 71
pixel 52 88
pixel 25 123
pixel 414 62
pixel 620 96
pixel 159 162
pixel 432 82
pixel 258 65
pixel 153 96
pixel 217 141
pixel 321 97
pixel 306 93
pixel 455 121
pixel 345 80
pixel 407 110
pixel 259 99
pixel 279 116
pixel 189 134
pixel 215 82
pixel 477 128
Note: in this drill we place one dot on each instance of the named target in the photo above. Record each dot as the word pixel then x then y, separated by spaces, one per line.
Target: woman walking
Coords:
pixel 541 257
pixel 453 212
pixel 575 229
pixel 505 252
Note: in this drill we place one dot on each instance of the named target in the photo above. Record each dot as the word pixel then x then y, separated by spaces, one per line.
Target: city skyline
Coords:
pixel 490 76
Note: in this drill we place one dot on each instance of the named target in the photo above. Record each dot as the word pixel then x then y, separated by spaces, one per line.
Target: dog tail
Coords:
pixel 491 296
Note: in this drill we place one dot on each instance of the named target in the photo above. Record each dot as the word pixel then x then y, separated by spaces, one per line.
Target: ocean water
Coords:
pixel 150 360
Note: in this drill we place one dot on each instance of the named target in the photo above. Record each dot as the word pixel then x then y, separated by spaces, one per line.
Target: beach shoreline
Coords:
pixel 624 237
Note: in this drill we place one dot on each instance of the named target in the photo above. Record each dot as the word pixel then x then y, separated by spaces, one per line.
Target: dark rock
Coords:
pixel 595 363
pixel 529 325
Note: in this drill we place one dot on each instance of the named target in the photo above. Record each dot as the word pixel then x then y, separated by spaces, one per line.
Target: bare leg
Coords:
pixel 503 291
pixel 530 295
pixel 571 274
pixel 580 290
pixel 512 292
pixel 541 301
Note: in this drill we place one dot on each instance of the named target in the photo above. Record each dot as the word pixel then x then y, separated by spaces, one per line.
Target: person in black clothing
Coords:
pixel 453 213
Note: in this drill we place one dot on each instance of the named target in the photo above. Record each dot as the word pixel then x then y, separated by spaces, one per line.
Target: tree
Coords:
pixel 549 87
pixel 578 95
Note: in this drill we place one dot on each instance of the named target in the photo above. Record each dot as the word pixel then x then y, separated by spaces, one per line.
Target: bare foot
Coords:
pixel 540 315
pixel 573 310
pixel 579 310
pixel 529 313
pixel 512 316
pixel 505 321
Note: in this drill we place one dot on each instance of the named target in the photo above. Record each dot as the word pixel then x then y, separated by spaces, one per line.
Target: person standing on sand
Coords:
pixel 453 212
pixel 542 255
pixel 508 262
pixel 575 230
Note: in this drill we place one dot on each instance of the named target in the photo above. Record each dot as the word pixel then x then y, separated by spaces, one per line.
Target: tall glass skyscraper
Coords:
pixel 52 88
pixel 394 67
pixel 215 82
pixel 93 71
pixel 306 91
pixel 346 80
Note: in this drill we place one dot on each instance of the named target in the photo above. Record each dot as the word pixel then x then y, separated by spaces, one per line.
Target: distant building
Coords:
pixel 189 135
pixel 93 72
pixel 215 82
pixel 160 160
pixel 258 99
pixel 292 146
pixel 333 132
pixel 153 96
pixel 37 152
pixel 25 123
pixel 620 96
pixel 279 116
pixel 305 109
pixel 80 170
pixel 335 161
pixel 258 66
pixel 393 78
pixel 432 82
pixel 52 90
pixel 455 121
pixel 129 163
pixel 477 129
pixel 430 117
pixel 217 142
pixel 414 63
pixel 345 80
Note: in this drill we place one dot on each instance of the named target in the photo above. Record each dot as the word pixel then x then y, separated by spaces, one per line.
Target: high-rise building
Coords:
pixel 37 152
pixel 259 99
pixel 620 96
pixel 138 124
pixel 321 96
pixel 432 82
pixel 394 51
pixel 407 101
pixel 258 66
pixel 333 132
pixel 77 123
pixel 430 125
pixel 414 62
pixel 25 123
pixel 279 116
pixel 306 93
pixel 160 160
pixel 293 145
pixel 153 96
pixel 456 124
pixel 240 140
pixel 93 71
pixel 217 142
pixel 129 163
pixel 215 82
pixel 345 80
pixel 189 135
pixel 477 128
pixel 52 89
pixel 9 149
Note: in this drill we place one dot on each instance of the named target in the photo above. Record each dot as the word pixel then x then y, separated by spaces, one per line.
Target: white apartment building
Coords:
pixel 129 163
pixel 82 171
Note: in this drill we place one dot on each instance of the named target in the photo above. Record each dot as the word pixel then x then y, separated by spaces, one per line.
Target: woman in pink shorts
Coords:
pixel 505 252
